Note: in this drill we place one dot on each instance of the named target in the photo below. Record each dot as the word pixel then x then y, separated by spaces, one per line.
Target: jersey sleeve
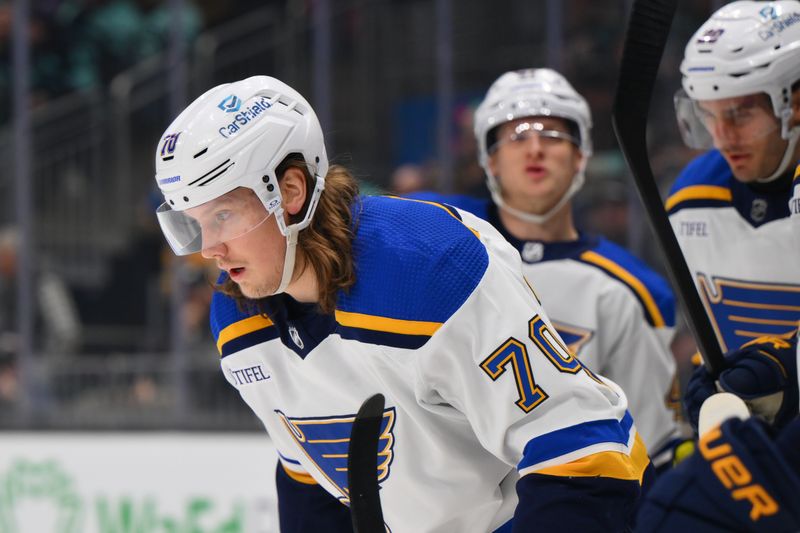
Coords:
pixel 533 405
pixel 640 361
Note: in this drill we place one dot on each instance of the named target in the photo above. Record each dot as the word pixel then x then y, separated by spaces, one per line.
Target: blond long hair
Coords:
pixel 327 243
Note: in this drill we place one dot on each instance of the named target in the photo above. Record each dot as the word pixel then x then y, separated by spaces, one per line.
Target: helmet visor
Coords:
pixel 726 122
pixel 217 221
pixel 546 134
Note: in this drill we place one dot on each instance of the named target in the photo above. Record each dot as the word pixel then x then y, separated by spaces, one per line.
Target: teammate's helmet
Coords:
pixel 235 135
pixel 746 47
pixel 531 93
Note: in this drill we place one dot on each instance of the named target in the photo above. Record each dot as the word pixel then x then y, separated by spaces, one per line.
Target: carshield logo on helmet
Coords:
pixel 245 117
pixel 768 13
pixel 168 148
pixel 230 104
pixel 778 25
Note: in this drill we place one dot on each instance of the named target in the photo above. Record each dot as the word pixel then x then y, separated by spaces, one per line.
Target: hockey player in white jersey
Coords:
pixel 533 132
pixel 729 207
pixel 326 297
pixel 745 475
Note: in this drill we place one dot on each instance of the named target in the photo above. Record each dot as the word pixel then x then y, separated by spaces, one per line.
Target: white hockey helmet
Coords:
pixel 540 92
pixel 235 135
pixel 745 48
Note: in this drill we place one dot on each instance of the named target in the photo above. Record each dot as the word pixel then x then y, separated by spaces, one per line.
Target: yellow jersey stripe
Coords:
pixel 797 172
pixel 242 327
pixel 632 281
pixel 440 206
pixel 389 325
pixel 615 465
pixel 300 477
pixel 699 192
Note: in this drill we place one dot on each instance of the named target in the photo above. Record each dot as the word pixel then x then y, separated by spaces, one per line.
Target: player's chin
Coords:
pixel 255 291
pixel 746 175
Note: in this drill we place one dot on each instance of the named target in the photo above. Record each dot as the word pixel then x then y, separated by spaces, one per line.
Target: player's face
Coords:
pixel 746 132
pixel 535 159
pixel 254 258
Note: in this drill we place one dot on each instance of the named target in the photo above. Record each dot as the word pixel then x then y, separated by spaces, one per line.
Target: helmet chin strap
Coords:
pixel 788 156
pixel 288 259
pixel 497 197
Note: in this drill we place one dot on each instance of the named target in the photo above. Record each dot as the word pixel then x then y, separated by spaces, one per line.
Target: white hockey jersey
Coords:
pixel 479 388
pixel 738 243
pixel 612 311
pixel 794 209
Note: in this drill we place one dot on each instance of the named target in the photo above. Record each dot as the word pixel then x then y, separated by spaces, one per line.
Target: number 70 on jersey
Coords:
pixel 513 355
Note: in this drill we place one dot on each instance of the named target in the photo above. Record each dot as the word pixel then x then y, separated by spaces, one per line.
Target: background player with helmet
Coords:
pixel 534 138
pixel 729 207
pixel 743 94
pixel 326 298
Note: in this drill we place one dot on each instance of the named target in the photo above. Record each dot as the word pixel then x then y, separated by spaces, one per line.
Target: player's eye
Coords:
pixel 705 114
pixel 222 216
pixel 741 114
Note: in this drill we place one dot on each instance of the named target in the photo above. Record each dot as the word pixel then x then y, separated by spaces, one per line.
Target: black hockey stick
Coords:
pixel 362 467
pixel 646 37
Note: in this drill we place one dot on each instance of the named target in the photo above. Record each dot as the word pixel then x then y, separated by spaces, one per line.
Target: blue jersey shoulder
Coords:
pixel 477 206
pixel 709 168
pixel 650 289
pixel 416 262
pixel 705 182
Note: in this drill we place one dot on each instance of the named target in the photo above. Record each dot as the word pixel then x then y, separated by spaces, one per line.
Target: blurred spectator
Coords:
pixel 408 178
pixel 48 69
pixel 603 205
pixel 81 44
pixel 57 328
pixel 108 36
pixel 9 383
pixel 158 21
pixel 469 176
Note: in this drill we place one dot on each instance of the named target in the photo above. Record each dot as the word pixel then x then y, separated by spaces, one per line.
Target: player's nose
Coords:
pixel 214 251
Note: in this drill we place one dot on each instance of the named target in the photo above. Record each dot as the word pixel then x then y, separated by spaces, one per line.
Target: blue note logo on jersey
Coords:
pixel 574 337
pixel 325 442
pixel 741 311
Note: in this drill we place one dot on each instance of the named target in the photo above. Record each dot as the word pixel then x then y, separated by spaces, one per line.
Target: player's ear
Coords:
pixel 293 190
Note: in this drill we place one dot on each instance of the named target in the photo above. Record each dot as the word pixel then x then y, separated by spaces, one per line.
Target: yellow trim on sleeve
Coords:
pixel 242 327
pixel 300 477
pixel 699 192
pixel 605 464
pixel 631 280
pixel 797 172
pixel 389 325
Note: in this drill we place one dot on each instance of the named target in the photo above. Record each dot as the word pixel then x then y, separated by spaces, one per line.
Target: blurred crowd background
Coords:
pixel 100 325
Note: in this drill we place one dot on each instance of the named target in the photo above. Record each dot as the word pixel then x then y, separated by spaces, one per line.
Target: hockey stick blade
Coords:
pixel 362 467
pixel 646 37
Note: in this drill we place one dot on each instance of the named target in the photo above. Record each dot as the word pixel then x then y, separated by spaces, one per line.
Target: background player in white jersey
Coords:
pixel 534 138
pixel 745 475
pixel 326 298
pixel 729 207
